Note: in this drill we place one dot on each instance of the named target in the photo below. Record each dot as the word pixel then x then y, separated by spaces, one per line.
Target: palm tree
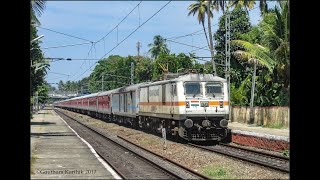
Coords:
pixel 210 37
pixel 256 55
pixel 159 46
pixel 276 35
pixel 255 51
pixel 37 7
pixel 203 8
pixel 200 7
pixel 248 4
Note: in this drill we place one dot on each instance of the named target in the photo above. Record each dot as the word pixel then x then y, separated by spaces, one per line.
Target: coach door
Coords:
pixel 163 94
pixel 97 104
pixel 120 102
pixel 125 101
pixel 172 94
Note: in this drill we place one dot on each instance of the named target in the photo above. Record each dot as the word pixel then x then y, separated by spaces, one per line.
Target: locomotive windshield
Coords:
pixel 213 89
pixel 192 88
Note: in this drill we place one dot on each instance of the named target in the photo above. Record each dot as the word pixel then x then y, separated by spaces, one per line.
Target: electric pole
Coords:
pixel 138 48
pixel 227 62
pixel 132 69
pixel 102 82
pixel 37 102
pixel 252 91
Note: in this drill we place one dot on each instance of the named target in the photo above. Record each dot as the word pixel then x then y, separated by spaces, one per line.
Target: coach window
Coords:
pixel 214 89
pixel 173 90
pixel 192 89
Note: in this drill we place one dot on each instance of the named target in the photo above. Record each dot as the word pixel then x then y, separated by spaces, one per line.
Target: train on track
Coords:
pixel 192 106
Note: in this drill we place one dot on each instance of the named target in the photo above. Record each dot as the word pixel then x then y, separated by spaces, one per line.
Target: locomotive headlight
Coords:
pixel 188 123
pixel 221 104
pixel 187 104
pixel 223 123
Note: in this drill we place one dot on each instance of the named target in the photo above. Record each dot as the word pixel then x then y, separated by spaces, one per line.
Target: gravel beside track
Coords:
pixel 127 162
pixel 191 157
pixel 267 160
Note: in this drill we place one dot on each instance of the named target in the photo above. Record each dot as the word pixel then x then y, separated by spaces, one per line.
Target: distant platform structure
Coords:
pixel 60 95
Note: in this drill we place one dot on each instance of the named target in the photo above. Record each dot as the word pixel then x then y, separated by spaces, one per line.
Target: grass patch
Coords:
pixel 216 172
pixel 286 153
pixel 275 126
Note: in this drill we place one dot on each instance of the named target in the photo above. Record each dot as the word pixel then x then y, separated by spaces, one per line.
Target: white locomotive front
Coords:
pixel 192 106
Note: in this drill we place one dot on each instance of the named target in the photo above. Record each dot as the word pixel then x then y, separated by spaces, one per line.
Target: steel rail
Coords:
pixel 140 156
pixel 245 158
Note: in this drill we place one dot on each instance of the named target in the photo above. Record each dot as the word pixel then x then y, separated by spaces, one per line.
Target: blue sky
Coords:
pixel 93 20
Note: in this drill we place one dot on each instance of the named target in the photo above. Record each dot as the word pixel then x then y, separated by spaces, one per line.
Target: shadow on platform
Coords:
pixel 43 113
pixel 41 123
pixel 53 134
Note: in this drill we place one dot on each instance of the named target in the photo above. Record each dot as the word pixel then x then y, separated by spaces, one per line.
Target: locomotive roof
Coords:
pixel 186 77
pixel 200 77
pixel 190 77
pixel 106 92
pixel 130 88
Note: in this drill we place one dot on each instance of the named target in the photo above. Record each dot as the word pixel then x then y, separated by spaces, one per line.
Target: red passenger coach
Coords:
pixel 104 102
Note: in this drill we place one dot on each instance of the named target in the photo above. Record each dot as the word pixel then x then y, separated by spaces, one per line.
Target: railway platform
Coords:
pixel 270 133
pixel 260 137
pixel 57 152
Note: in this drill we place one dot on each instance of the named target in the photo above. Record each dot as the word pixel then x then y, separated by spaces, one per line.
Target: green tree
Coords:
pixel 249 4
pixel 37 59
pixel 38 66
pixel 239 24
pixel 158 46
pixel 204 8
pixel 272 33
pixel 43 93
pixel 143 70
pixel 200 7
pixel 275 28
pixel 172 63
pixel 254 51
pixel 37 8
pixel 115 71
pixel 61 85
pixel 239 95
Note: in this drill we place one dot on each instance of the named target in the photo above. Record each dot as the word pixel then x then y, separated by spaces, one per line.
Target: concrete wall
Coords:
pixel 274 116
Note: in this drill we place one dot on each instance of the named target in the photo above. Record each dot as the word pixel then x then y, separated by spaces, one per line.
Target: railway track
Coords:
pixel 162 157
pixel 269 160
pixel 144 167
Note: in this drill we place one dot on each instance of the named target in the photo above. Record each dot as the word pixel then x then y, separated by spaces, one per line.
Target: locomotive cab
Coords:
pixel 206 109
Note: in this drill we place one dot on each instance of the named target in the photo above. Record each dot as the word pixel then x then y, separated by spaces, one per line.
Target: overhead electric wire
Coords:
pixel 119 22
pixel 187 44
pixel 55 78
pixel 64 34
pixel 168 39
pixel 59 73
pixel 198 48
pixel 66 45
pixel 127 37
pixel 83 61
pixel 190 34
